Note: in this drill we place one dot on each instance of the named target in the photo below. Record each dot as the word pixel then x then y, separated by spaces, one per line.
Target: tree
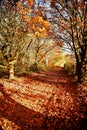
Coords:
pixel 38 26
pixel 70 19
pixel 12 36
pixel 18 23
pixel 41 48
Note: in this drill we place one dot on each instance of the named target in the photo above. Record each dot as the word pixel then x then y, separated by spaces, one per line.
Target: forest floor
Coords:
pixel 43 100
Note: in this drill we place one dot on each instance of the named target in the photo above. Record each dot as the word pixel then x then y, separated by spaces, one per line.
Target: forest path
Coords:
pixel 43 100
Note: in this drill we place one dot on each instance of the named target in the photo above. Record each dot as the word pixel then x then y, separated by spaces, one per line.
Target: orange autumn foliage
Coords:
pixel 37 25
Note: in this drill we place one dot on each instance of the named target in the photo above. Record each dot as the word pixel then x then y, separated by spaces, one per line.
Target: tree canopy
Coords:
pixel 65 21
pixel 69 22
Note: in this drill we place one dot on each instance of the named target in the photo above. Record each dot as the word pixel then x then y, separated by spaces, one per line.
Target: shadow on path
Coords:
pixel 57 77
pixel 28 119
pixel 22 116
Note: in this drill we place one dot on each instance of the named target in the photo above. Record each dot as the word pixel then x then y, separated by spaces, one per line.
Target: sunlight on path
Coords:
pixel 8 125
pixel 50 95
pixel 39 97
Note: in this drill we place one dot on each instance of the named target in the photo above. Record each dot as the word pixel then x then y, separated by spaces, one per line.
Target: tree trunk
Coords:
pixel 46 60
pixel 81 70
pixel 11 69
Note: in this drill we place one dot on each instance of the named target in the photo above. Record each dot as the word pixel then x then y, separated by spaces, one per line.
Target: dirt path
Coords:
pixel 43 101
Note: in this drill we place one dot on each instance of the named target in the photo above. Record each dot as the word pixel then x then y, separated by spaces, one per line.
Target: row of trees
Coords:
pixel 23 36
pixel 25 20
pixel 69 21
pixel 12 35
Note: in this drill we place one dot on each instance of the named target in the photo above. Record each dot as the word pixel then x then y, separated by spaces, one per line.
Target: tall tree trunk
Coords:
pixel 81 72
pixel 46 60
pixel 81 67
pixel 11 69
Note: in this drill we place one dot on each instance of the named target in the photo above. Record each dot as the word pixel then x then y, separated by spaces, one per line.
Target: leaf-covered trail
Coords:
pixel 43 101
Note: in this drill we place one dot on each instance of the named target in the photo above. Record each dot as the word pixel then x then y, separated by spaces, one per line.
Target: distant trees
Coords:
pixel 38 55
pixel 41 49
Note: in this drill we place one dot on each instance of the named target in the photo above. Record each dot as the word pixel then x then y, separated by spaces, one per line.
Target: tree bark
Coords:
pixel 81 69
pixel 11 69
